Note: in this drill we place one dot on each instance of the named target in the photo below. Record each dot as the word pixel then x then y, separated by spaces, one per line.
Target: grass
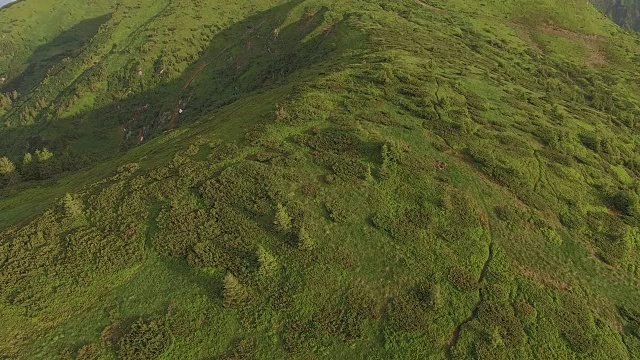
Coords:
pixel 460 179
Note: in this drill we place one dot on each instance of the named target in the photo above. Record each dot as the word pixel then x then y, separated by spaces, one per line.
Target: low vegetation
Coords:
pixel 312 179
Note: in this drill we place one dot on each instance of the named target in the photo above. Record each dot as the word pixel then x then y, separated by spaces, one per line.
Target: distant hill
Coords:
pixel 624 12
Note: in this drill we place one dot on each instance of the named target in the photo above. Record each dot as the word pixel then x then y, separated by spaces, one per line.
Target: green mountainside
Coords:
pixel 315 179
pixel 623 12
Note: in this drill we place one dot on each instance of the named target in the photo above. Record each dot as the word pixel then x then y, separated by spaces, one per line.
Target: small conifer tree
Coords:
pixel 282 220
pixel 234 293
pixel 8 173
pixel 305 241
pixel 268 263
pixel 6 166
pixel 28 159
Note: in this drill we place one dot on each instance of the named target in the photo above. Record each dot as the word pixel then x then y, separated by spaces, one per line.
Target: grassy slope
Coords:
pixel 514 249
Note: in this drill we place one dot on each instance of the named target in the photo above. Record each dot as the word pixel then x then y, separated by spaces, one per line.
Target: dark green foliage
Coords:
pixel 336 210
pixel 145 339
pixel 403 224
pixel 501 318
pixel 508 213
pixel 625 13
pixel 411 311
pixel 626 202
pixel 611 235
pixel 632 318
pixel 406 313
pixel 297 336
pixel 241 349
pixel 578 327
pixel 462 279
pixel 572 218
pixel 347 312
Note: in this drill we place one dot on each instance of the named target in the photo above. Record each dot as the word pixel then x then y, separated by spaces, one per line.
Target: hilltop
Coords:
pixel 317 179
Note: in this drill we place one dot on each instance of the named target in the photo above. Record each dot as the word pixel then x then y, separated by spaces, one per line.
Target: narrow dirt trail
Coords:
pixel 428 6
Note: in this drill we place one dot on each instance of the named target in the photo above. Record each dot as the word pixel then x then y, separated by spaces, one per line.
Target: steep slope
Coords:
pixel 624 12
pixel 319 179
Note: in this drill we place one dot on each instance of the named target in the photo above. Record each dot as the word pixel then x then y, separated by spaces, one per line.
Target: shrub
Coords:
pixel 406 313
pixel 632 317
pixel 146 339
pixel 507 213
pixel 552 236
pixel 571 218
pixel 501 317
pixel 345 314
pixel 6 166
pixel 428 295
pixel 336 211
pixel 391 155
pixel 626 202
pixel 462 279
pixel 577 326
pixel 241 349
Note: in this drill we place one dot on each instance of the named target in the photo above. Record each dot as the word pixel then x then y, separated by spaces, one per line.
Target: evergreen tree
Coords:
pixel 282 220
pixel 234 293
pixel 6 166
pixel 8 173
pixel 305 241
pixel 28 159
pixel 268 263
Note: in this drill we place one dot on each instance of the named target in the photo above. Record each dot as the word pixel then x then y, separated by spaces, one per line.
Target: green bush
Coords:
pixel 500 316
pixel 146 339
pixel 462 279
pixel 626 202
